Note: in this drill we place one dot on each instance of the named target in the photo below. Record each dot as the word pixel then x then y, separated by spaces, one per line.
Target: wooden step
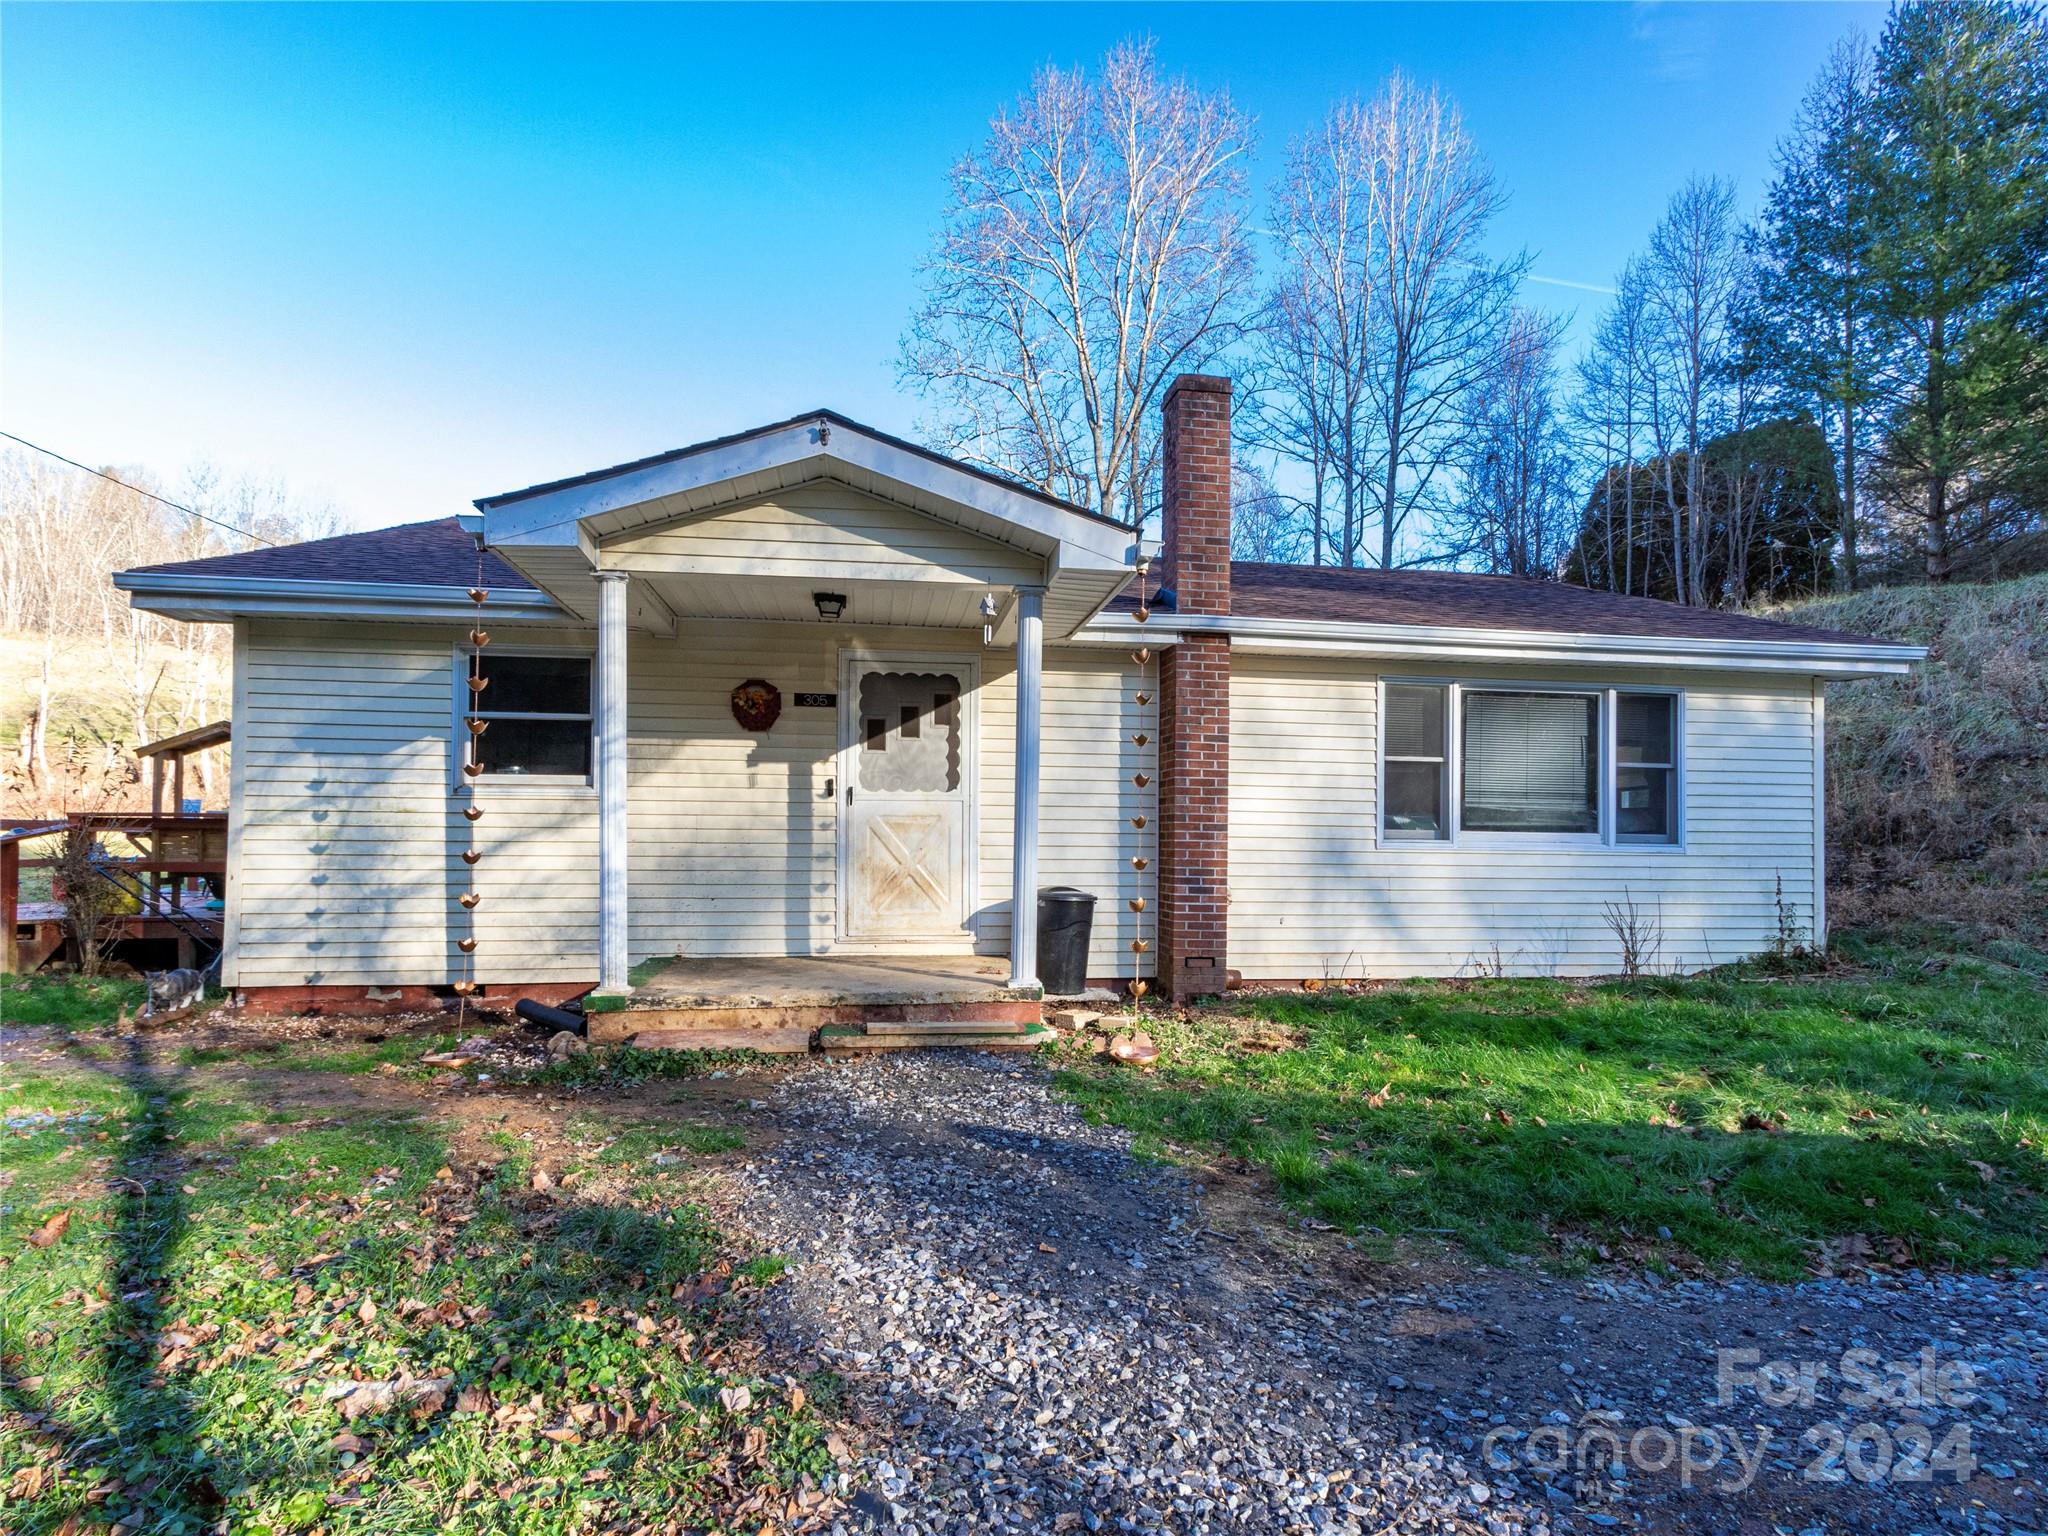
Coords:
pixel 788 1041
pixel 611 1024
pixel 1002 1037
pixel 948 1026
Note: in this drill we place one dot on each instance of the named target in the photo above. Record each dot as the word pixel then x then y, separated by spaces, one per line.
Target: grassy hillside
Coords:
pixel 1938 783
pixel 92 726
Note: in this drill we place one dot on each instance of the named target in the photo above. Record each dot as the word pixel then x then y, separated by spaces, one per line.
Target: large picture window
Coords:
pixel 1502 762
pixel 537 713
pixel 1531 763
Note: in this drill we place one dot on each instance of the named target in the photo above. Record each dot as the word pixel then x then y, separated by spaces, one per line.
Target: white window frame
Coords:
pixel 1611 787
pixel 462 744
pixel 1456 836
pixel 1446 760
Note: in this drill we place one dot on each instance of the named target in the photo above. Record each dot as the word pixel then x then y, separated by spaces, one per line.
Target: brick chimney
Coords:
pixel 1194 691
pixel 1195 471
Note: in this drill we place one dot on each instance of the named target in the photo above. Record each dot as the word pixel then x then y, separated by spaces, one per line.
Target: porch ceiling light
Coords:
pixel 830 604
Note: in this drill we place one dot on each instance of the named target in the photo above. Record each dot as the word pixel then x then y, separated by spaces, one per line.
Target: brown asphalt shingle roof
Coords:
pixel 441 553
pixel 436 554
pixel 1460 600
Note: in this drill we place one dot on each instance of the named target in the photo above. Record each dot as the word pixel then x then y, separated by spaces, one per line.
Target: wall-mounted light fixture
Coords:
pixel 830 605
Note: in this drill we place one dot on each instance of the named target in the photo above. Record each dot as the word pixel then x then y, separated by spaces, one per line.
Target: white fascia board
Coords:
pixel 1295 637
pixel 1082 541
pixel 552 517
pixel 205 599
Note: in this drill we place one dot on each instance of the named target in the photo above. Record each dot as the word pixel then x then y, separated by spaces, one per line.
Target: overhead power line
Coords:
pixel 176 506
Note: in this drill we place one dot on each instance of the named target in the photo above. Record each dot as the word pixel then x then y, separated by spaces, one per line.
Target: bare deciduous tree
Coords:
pixel 1515 511
pixel 1690 281
pixel 1313 345
pixel 1612 407
pixel 1264 525
pixel 1439 301
pixel 63 532
pixel 1094 247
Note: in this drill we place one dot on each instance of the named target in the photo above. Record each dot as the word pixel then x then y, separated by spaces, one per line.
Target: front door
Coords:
pixel 906 802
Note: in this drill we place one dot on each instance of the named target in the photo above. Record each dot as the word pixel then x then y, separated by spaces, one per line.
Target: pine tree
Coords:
pixel 1814 323
pixel 1961 201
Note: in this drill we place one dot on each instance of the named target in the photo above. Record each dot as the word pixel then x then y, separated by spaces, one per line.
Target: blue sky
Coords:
pixel 409 255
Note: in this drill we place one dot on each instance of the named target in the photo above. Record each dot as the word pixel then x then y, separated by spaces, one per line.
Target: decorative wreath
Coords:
pixel 756 704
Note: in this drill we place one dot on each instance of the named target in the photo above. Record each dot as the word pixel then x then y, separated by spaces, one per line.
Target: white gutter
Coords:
pixel 1425 641
pixel 213 598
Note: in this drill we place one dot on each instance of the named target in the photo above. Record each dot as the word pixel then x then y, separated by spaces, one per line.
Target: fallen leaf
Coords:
pixel 736 1399
pixel 367 1311
pixel 706 1286
pixel 50 1230
pixel 1985 1171
pixel 28 1482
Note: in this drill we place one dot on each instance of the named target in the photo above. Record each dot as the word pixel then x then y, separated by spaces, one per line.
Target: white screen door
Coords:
pixel 905 800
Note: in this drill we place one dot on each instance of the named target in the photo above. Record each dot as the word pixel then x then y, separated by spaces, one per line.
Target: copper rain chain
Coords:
pixel 1142 657
pixel 472 768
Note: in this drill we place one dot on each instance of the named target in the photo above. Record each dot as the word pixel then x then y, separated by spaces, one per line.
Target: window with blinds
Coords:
pixel 1530 763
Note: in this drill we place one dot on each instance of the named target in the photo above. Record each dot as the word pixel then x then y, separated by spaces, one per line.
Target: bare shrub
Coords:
pixel 1638 929
pixel 1791 948
pixel 90 899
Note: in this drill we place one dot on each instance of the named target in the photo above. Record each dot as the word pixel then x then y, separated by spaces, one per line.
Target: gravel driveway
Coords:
pixel 1045 1334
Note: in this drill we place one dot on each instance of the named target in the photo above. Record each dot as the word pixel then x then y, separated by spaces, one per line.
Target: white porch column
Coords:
pixel 611 781
pixel 1024 837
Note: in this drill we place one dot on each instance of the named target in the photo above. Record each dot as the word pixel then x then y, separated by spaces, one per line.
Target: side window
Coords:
pixel 1415 768
pixel 1598 766
pixel 1645 768
pixel 536 712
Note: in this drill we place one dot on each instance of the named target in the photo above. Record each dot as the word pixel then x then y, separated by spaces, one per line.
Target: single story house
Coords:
pixel 809 690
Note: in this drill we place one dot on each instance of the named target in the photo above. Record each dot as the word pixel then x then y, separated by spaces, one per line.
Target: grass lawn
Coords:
pixel 67 1001
pixel 308 1296
pixel 1892 1111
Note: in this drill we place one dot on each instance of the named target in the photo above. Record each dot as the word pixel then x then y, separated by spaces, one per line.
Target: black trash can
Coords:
pixel 1066 917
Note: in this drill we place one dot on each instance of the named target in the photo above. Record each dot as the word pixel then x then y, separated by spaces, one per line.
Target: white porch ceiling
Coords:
pixel 919 605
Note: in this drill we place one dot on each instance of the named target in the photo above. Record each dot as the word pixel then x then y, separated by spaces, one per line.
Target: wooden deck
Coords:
pixel 177 863
pixel 833 1002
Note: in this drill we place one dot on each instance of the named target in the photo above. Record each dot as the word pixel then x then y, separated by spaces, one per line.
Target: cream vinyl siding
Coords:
pixel 345 840
pixel 1314 893
pixel 1088 719
pixel 734 837
pixel 824 532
